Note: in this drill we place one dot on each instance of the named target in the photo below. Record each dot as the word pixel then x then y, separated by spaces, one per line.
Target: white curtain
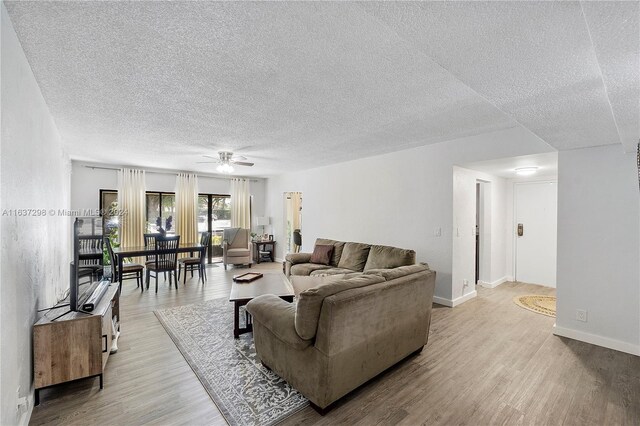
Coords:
pixel 131 200
pixel 240 204
pixel 187 208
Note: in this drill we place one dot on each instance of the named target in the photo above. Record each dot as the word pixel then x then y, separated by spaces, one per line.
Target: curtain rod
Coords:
pixel 162 173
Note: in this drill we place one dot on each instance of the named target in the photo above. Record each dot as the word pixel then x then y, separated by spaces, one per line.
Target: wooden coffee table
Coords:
pixel 242 293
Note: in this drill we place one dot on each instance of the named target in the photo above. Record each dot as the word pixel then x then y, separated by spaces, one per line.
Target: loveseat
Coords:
pixel 345 330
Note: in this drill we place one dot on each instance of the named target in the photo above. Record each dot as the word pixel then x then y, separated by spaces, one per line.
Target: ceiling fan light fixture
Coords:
pixel 225 168
pixel 526 171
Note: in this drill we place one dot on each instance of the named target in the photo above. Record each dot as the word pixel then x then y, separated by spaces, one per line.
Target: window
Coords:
pixel 214 215
pixel 108 210
pixel 161 211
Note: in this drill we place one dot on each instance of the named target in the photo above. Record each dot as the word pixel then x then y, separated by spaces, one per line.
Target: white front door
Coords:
pixel 536 206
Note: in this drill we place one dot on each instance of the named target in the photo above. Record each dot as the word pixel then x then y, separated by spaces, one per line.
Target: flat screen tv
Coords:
pixel 86 270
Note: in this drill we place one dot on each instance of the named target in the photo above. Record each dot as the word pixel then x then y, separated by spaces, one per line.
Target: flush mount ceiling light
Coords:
pixel 526 171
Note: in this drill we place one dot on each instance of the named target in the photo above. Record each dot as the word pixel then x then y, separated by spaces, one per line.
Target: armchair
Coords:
pixel 236 247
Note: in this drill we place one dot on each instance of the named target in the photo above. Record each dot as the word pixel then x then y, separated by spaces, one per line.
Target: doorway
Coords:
pixel 293 221
pixel 536 223
pixel 477 232
pixel 483 232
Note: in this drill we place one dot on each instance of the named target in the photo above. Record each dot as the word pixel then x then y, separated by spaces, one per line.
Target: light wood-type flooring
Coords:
pixel 488 361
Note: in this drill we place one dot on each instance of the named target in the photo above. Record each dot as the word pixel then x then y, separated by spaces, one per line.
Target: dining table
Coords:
pixel 124 252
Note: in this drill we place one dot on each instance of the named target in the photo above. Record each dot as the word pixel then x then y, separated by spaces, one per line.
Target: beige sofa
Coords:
pixel 346 330
pixel 349 257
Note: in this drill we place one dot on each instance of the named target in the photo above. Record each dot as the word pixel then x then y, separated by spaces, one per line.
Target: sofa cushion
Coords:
pixel 391 274
pixel 389 257
pixel 333 271
pixel 238 252
pixel 354 256
pixel 306 268
pixel 337 249
pixel 302 283
pixel 322 254
pixel 310 301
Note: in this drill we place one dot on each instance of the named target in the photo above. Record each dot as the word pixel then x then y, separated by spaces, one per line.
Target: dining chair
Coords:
pixel 150 241
pixel 166 259
pixel 92 266
pixel 196 262
pixel 129 270
pixel 297 240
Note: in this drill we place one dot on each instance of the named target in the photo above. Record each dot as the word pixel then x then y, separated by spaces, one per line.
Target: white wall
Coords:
pixel 493 236
pixel 86 184
pixel 35 249
pixel 599 247
pixel 395 199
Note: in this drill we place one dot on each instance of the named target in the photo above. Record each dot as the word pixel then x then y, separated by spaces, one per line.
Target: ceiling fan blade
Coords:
pixel 206 162
pixel 211 156
pixel 242 163
pixel 237 158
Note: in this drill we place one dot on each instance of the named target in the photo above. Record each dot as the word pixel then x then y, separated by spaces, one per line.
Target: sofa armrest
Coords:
pixel 295 258
pixel 278 317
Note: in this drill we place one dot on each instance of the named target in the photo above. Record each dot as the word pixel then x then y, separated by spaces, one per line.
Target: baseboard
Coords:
pixel 455 302
pixel 594 339
pixel 442 301
pixel 494 284
pixel 24 419
pixel 464 298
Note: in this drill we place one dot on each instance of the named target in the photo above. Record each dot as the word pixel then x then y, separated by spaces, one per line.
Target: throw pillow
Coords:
pixel 321 254
pixel 338 246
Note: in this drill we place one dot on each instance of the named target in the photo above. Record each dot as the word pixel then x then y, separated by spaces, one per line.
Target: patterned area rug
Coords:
pixel 545 305
pixel 245 392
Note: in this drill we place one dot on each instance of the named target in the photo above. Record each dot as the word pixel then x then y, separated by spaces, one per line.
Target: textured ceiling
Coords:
pixel 615 32
pixel 535 61
pixel 299 85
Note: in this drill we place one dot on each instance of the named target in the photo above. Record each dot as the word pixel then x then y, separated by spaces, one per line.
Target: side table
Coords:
pixel 264 246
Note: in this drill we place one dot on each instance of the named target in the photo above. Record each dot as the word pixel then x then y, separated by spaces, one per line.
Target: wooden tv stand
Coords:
pixel 76 345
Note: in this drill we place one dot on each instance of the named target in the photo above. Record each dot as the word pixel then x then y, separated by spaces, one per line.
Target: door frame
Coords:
pixel 483 223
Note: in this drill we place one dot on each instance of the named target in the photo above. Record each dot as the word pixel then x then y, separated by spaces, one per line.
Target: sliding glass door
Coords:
pixel 214 215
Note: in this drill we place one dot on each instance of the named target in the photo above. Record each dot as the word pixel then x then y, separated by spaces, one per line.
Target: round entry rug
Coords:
pixel 545 305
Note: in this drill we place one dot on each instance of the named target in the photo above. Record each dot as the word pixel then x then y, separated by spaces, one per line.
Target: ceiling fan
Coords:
pixel 226 160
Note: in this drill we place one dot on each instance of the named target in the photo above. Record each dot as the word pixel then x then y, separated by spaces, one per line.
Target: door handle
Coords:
pixel 520 230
